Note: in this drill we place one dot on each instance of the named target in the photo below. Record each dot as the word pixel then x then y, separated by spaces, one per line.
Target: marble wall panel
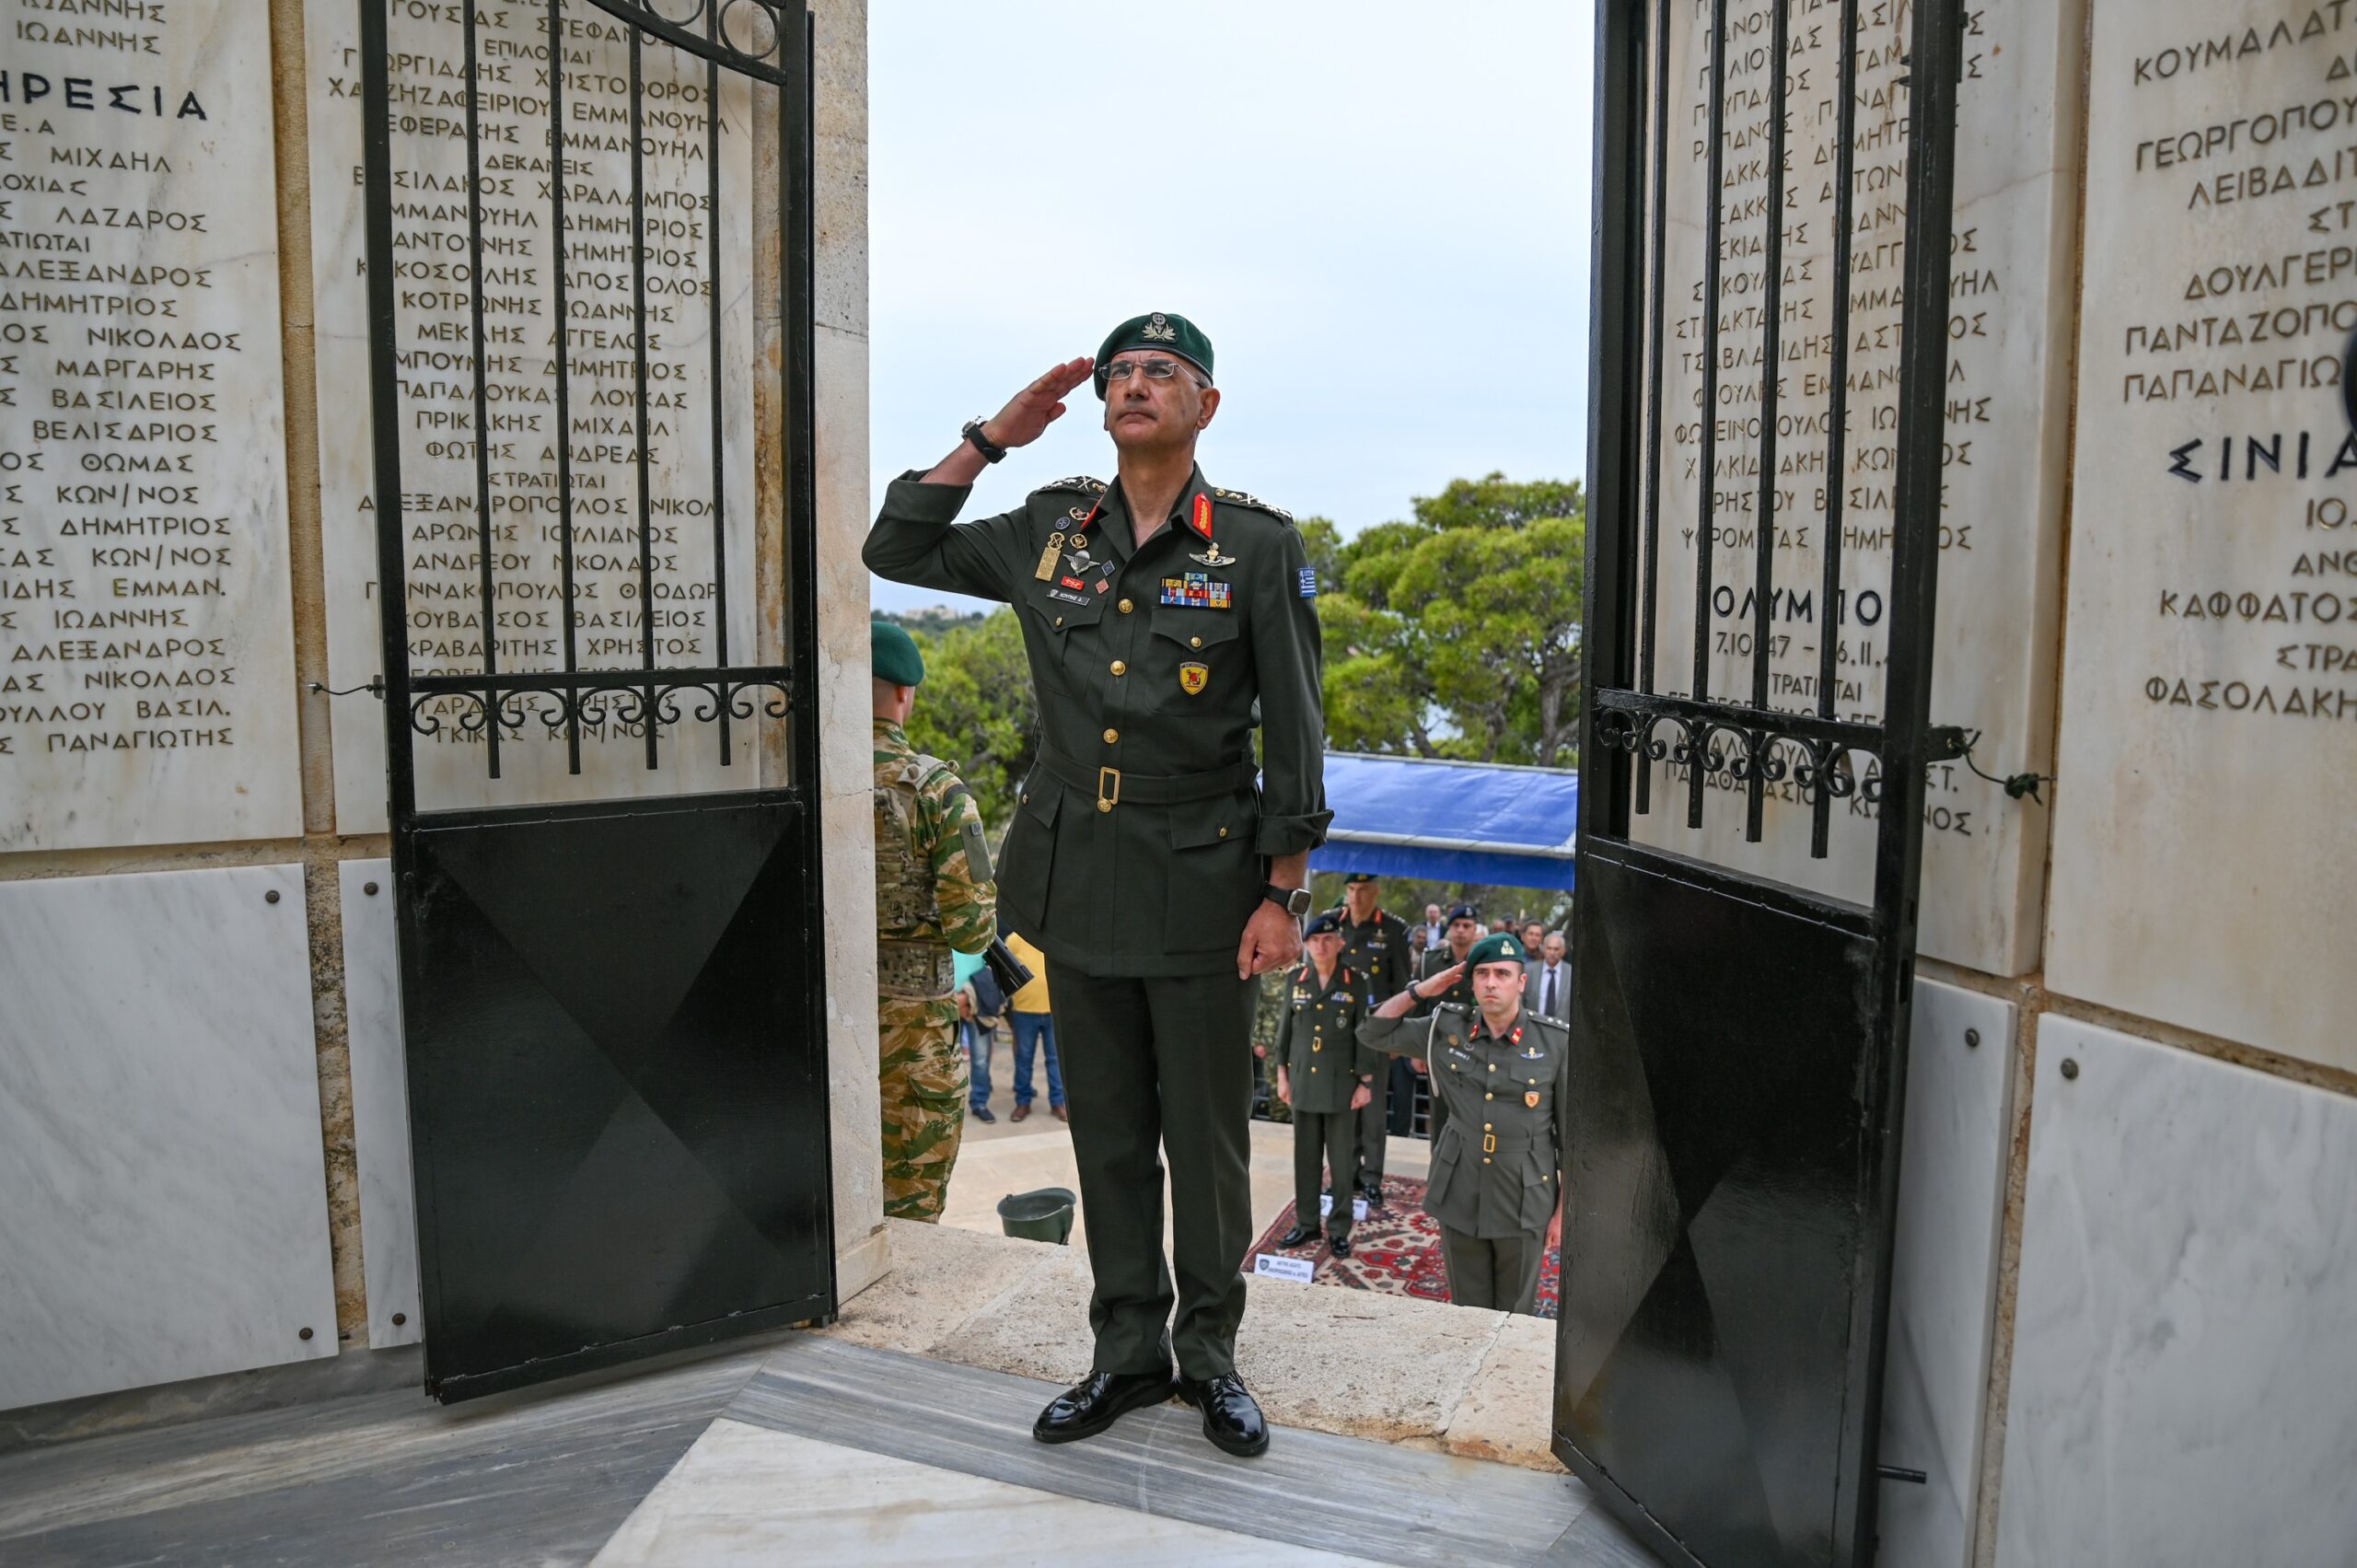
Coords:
pixel 2184 1384
pixel 2202 858
pixel 2017 155
pixel 372 1011
pixel 1944 1280
pixel 436 367
pixel 160 1133
pixel 147 633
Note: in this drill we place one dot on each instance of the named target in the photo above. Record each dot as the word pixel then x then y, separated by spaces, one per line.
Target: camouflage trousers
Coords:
pixel 923 1075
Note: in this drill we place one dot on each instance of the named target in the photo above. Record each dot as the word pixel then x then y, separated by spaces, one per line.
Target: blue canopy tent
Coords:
pixel 1441 821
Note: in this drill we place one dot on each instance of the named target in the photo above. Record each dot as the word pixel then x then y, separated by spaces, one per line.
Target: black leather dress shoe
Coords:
pixel 1299 1235
pixel 1341 1246
pixel 1232 1417
pixel 1098 1401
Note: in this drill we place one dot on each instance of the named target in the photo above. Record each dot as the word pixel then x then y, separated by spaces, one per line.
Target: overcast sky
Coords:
pixel 1377 211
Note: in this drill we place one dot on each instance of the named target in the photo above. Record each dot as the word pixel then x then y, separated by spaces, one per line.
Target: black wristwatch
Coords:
pixel 973 431
pixel 1295 901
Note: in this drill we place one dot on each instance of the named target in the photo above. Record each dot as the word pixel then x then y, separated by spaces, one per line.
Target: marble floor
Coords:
pixel 800 1449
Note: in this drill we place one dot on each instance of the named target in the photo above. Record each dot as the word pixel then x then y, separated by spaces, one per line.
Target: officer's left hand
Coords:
pixel 1362 1097
pixel 1270 939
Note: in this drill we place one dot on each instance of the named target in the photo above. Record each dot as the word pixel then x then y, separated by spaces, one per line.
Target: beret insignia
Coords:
pixel 1080 483
pixel 1240 498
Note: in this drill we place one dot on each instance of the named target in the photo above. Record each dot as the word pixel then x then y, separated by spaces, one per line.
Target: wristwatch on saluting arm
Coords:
pixel 1295 901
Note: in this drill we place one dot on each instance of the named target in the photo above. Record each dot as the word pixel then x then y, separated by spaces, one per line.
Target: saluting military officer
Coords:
pixel 1162 619
pixel 1374 949
pixel 1327 1076
pixel 1497 1165
pixel 933 893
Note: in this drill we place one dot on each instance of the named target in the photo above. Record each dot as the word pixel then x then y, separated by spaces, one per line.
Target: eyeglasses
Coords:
pixel 1156 370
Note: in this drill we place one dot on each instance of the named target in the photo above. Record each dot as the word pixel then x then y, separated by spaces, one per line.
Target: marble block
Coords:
pixel 436 365
pixel 2208 756
pixel 160 1133
pixel 2184 1382
pixel 372 1011
pixel 146 627
pixel 1944 1279
pixel 2007 435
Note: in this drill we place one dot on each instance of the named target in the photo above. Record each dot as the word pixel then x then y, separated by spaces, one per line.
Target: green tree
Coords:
pixel 1457 633
pixel 976 709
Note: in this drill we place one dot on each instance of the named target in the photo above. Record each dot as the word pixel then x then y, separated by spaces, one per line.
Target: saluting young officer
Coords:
pixel 1164 621
pixel 1497 1168
pixel 1327 1076
pixel 1374 949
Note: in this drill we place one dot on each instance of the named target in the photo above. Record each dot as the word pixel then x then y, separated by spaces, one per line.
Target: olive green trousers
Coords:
pixel 1499 1272
pixel 1158 1066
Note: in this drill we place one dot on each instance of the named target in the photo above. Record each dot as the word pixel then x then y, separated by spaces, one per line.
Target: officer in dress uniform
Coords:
pixel 1163 618
pixel 1374 949
pixel 1328 1077
pixel 933 893
pixel 1497 1168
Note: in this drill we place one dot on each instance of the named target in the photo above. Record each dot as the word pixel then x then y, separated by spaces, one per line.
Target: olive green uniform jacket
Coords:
pixel 1140 844
pixel 1497 1165
pixel 1323 1060
pixel 1378 954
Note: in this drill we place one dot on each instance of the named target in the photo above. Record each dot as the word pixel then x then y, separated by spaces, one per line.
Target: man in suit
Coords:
pixel 1549 996
pixel 1436 929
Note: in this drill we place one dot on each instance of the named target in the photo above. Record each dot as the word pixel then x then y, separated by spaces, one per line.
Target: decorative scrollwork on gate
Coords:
pixel 749 36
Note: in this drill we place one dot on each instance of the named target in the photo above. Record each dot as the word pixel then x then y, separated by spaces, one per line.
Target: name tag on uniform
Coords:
pixel 1198 591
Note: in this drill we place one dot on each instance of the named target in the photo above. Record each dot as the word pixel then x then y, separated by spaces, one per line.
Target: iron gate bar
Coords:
pixel 564 378
pixel 1772 381
pixel 487 614
pixel 718 46
pixel 1658 312
pixel 1837 455
pixel 1709 510
pixel 638 370
pixel 719 395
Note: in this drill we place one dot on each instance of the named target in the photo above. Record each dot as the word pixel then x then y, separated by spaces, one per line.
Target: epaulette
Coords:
pixel 1239 498
pixel 1079 483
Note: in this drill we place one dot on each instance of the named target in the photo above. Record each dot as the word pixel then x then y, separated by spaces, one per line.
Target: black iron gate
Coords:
pixel 1740 1040
pixel 588 410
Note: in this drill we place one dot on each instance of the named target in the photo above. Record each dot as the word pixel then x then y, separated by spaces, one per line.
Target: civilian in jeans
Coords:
pixel 1027 1011
pixel 980 1004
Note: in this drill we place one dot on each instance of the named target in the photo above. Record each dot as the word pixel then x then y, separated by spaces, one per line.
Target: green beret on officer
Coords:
pixel 894 654
pixel 1501 947
pixel 1175 335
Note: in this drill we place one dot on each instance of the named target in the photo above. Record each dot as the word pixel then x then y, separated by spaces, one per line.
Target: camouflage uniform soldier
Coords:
pixel 1268 1036
pixel 933 893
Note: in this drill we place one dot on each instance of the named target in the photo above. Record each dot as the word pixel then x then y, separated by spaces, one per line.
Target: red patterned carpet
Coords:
pixel 1395 1251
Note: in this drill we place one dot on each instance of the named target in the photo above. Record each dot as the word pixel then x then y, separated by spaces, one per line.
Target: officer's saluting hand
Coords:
pixel 1152 862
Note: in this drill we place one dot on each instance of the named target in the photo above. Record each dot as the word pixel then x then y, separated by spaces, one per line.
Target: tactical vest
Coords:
pixel 906 895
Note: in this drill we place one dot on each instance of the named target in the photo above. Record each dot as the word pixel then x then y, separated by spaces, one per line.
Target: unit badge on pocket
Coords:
pixel 1530 1098
pixel 1193 677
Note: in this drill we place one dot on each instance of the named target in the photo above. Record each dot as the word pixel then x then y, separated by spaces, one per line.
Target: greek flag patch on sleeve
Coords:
pixel 1309 582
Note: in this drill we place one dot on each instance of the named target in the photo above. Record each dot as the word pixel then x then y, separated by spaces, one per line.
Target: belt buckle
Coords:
pixel 1489 1142
pixel 1106 800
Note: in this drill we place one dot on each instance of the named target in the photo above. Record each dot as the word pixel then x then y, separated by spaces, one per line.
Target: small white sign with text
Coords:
pixel 1277 1266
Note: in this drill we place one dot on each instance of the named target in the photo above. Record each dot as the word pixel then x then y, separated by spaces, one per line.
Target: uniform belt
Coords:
pixel 1496 1142
pixel 1113 787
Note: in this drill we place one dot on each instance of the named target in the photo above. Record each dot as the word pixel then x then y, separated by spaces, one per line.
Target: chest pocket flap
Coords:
pixel 1195 629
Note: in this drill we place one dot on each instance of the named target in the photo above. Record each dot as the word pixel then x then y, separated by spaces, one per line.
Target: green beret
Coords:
pixel 1175 335
pixel 1503 947
pixel 894 654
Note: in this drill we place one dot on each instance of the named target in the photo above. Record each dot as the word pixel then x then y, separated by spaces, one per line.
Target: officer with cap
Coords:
pixel 1163 618
pixel 933 893
pixel 1374 949
pixel 1327 1077
pixel 1464 930
pixel 1497 1168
